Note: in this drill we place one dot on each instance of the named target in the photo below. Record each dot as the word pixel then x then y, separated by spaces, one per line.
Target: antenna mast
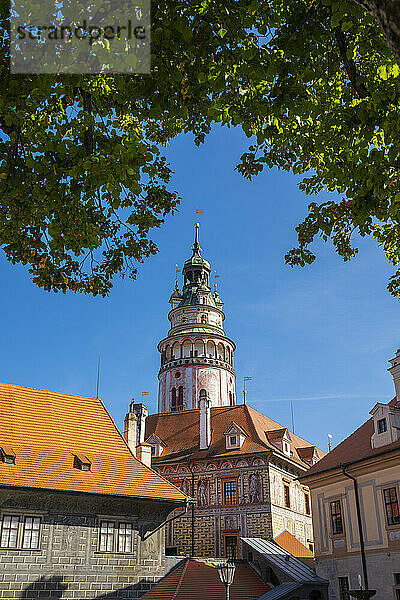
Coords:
pixel 98 377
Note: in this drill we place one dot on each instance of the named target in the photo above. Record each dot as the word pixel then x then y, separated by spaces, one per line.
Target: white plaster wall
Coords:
pixel 188 392
pixel 193 315
pixel 218 382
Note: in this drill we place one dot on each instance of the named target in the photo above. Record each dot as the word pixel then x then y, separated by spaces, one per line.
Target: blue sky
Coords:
pixel 319 336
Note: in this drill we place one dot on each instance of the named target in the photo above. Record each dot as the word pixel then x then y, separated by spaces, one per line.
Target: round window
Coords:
pixel 177 374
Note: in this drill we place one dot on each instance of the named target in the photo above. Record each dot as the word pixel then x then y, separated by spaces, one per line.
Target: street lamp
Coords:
pixel 226 572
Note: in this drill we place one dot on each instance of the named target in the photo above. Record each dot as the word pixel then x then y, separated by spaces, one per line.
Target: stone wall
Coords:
pixel 259 525
pixel 68 563
pixel 381 568
pixel 261 515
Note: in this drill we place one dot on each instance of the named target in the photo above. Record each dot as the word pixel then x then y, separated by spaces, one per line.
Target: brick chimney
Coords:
pixel 395 372
pixel 205 419
pixel 135 423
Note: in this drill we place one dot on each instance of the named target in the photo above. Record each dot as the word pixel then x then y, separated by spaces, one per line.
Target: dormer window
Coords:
pixel 82 463
pixel 386 421
pixel 157 445
pixel 381 425
pixel 308 454
pixel 281 439
pixel 7 455
pixel 234 437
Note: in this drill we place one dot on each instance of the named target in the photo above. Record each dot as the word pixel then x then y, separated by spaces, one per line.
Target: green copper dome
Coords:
pixel 196 273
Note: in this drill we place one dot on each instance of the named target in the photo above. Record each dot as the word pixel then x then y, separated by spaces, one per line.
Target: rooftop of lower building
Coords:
pixel 179 432
pixel 59 441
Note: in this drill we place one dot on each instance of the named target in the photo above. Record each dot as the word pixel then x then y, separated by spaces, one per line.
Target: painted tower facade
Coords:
pixel 196 354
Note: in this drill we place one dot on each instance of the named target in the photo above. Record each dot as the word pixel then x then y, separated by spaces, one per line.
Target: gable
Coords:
pixel 153 439
pixel 234 429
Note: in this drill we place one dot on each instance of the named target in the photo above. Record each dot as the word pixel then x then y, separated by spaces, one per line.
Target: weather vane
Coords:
pixel 215 277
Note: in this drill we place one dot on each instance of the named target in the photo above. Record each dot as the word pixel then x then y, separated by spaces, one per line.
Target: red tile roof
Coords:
pixel 199 580
pixel 288 542
pixel 180 432
pixel 47 429
pixel 354 448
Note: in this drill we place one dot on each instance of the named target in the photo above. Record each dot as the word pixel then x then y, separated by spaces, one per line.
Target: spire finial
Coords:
pixel 196 246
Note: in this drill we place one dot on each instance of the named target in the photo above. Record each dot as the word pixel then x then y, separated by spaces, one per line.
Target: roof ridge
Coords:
pixel 24 387
pixel 176 567
pixel 298 438
pixel 248 418
pixel 335 450
pixel 178 587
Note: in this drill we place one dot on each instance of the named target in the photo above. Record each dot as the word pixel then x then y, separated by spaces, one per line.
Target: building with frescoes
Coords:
pixel 241 466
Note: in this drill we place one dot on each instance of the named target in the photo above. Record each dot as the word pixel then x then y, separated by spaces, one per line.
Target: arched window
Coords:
pixel 173 399
pixel 221 351
pixel 168 353
pixel 187 349
pixel 199 348
pixel 176 351
pixel 230 398
pixel 180 398
pixel 204 319
pixel 210 349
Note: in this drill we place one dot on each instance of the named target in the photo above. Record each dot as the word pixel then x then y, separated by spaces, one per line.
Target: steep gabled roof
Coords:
pixel 354 448
pixel 180 432
pixel 198 579
pixel 46 430
pixel 291 544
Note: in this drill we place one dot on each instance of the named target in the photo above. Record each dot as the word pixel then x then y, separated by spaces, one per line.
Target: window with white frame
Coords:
pixel 107 536
pixel 116 536
pixel 30 537
pixel 9 531
pixel 125 537
pixel 20 532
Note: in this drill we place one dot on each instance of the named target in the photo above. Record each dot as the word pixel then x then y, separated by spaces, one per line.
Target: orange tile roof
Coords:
pixel 46 429
pixel 180 433
pixel 198 580
pixel 354 448
pixel 288 542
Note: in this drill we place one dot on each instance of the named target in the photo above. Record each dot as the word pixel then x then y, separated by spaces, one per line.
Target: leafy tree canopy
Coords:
pixel 312 84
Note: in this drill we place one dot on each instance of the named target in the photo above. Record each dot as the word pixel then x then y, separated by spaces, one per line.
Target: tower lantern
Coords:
pixel 196 354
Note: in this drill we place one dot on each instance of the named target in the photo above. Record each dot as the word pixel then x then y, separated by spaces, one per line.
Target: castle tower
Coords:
pixel 196 355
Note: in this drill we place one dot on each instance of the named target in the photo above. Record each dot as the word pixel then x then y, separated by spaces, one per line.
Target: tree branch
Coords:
pixel 349 64
pixel 387 14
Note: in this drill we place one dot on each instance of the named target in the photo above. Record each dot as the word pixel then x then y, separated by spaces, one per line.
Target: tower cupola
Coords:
pixel 196 354
pixel 196 277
